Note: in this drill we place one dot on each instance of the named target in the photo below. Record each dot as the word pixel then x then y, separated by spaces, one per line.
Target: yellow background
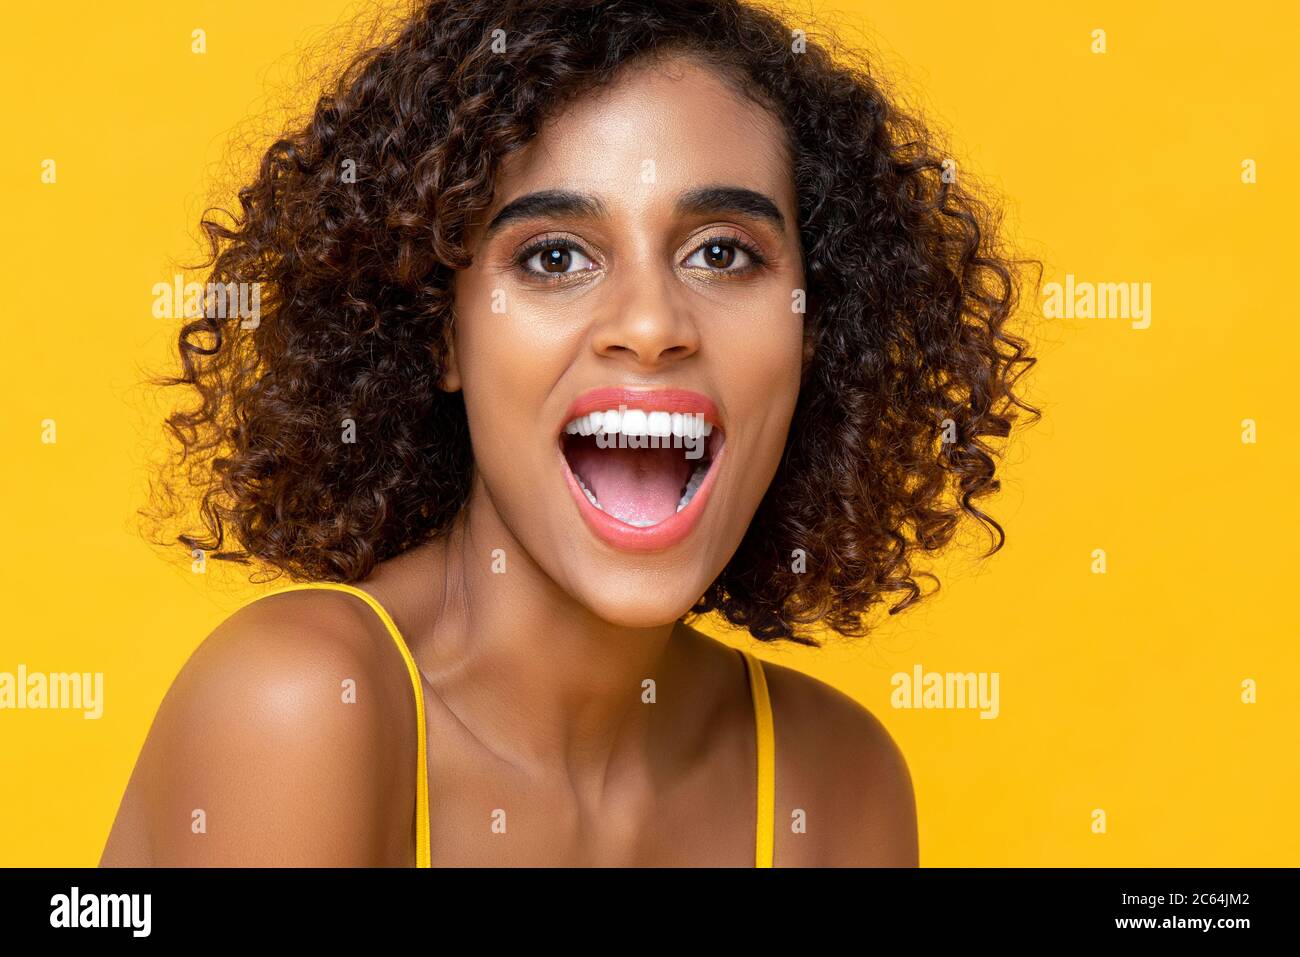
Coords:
pixel 1118 691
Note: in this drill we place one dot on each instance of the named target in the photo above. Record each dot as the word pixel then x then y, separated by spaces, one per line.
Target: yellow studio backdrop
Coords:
pixel 1140 621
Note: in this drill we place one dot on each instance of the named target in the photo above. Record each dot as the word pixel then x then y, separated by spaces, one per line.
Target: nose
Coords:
pixel 646 324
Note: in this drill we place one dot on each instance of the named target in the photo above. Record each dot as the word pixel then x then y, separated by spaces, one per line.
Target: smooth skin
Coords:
pixel 533 679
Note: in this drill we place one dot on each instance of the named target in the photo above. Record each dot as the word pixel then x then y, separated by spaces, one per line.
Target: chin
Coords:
pixel 629 601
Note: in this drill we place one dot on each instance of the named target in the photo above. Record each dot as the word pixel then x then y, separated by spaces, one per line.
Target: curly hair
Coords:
pixel 909 292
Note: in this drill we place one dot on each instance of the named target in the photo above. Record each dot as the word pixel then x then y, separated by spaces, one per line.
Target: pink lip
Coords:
pixel 676 527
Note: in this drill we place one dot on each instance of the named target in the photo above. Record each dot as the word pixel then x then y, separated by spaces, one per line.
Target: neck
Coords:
pixel 536 677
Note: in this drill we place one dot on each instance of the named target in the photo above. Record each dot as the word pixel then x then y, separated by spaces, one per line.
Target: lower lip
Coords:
pixel 630 538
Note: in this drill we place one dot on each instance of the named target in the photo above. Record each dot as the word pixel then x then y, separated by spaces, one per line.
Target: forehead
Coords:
pixel 658 128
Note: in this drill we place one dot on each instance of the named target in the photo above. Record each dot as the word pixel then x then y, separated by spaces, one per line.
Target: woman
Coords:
pixel 578 320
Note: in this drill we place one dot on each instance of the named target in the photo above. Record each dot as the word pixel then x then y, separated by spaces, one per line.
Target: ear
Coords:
pixel 450 381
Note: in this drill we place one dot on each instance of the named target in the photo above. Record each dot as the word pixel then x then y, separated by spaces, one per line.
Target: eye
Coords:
pixel 727 254
pixel 549 258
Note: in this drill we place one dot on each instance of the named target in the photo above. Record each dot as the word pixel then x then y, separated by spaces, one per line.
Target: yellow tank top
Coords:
pixel 765 829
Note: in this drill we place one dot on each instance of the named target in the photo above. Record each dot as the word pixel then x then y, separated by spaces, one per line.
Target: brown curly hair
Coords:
pixel 909 291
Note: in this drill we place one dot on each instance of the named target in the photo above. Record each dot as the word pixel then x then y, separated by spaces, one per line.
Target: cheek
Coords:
pixel 781 355
pixel 497 378
pixel 504 337
pixel 764 363
pixel 509 362
pixel 485 337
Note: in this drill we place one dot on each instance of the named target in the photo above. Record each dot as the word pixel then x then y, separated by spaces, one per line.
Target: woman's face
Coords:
pixel 640 261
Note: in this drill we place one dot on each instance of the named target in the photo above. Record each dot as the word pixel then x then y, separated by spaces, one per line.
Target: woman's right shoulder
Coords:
pixel 281 741
pixel 301 637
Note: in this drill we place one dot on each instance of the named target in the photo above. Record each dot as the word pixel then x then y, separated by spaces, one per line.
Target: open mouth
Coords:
pixel 641 466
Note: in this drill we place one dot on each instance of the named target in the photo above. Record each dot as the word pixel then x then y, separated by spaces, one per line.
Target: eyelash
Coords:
pixel 757 260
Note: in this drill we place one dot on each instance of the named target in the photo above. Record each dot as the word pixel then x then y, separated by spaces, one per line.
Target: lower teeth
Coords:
pixel 587 492
pixel 693 486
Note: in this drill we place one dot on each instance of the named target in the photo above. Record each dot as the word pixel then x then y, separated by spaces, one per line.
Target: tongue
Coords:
pixel 637 486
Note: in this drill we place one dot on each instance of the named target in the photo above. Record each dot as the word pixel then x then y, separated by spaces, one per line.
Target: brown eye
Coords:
pixel 556 260
pixel 718 255
pixel 553 258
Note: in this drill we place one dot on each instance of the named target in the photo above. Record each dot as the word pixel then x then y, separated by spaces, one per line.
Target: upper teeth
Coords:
pixel 639 422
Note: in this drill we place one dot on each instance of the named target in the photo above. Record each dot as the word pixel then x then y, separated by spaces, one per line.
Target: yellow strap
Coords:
pixel 423 855
pixel 765 829
pixel 765 832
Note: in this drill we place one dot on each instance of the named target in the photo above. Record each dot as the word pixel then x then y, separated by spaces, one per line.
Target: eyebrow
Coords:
pixel 701 199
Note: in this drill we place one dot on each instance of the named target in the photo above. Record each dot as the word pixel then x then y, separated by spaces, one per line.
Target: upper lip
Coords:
pixel 651 400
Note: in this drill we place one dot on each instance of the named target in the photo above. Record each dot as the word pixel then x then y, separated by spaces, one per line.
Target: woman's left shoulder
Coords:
pixel 838 768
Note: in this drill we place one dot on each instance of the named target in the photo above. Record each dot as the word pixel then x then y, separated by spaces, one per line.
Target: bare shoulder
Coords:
pixel 838 765
pixel 282 741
